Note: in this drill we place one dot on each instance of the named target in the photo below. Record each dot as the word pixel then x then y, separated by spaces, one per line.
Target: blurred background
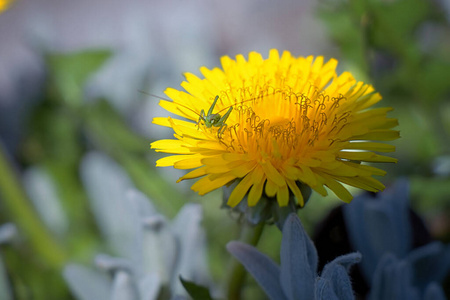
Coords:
pixel 73 82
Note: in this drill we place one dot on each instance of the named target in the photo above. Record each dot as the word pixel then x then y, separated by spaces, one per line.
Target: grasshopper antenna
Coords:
pixel 153 95
pixel 162 98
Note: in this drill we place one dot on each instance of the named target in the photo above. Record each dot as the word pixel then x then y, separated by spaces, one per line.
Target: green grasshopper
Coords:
pixel 210 119
pixel 215 120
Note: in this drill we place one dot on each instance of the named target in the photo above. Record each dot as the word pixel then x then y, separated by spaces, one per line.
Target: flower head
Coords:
pixel 275 123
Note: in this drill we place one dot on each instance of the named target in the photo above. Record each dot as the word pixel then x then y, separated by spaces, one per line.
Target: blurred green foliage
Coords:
pixel 61 129
pixel 403 48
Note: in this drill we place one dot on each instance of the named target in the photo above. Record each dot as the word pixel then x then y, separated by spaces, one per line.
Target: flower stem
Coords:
pixel 236 274
pixel 24 216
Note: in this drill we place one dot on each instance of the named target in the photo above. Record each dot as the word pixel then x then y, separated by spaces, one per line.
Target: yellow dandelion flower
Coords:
pixel 290 120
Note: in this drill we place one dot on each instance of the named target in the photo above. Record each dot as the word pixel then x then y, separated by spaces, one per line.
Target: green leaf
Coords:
pixel 402 17
pixel 70 71
pixel 197 292
pixel 435 80
pixel 111 128
pixel 346 27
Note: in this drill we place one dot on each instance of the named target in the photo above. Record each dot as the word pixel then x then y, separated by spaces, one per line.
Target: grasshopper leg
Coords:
pixel 223 125
pixel 225 116
pixel 201 118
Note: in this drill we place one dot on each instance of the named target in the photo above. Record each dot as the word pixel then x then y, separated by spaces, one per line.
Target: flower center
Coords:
pixel 281 122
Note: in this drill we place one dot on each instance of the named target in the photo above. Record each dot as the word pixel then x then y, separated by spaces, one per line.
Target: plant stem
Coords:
pixel 236 274
pixel 24 216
